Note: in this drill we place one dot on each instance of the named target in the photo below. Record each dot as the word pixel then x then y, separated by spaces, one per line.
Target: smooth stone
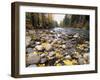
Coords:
pixel 76 35
pixel 47 46
pixel 66 53
pixel 86 42
pixel 39 47
pixel 43 60
pixel 31 32
pixel 64 46
pixel 86 56
pixel 29 50
pixel 68 57
pixel 32 58
pixel 51 54
pixel 37 43
pixel 27 40
pixel 52 31
pixel 81 60
pixel 43 55
pixel 70 36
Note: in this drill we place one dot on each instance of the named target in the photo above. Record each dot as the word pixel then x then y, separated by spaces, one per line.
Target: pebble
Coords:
pixel 31 32
pixel 29 50
pixel 76 35
pixel 32 58
pixel 64 46
pixel 43 60
pixel 43 55
pixel 46 46
pixel 81 61
pixel 68 57
pixel 28 39
pixel 51 54
pixel 37 43
pixel 39 47
pixel 86 56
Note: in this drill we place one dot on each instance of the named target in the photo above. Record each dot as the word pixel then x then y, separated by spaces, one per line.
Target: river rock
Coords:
pixel 51 54
pixel 76 35
pixel 31 32
pixel 46 46
pixel 43 60
pixel 28 39
pixel 29 50
pixel 86 56
pixel 81 60
pixel 39 47
pixel 64 46
pixel 43 55
pixel 68 57
pixel 32 58
pixel 37 43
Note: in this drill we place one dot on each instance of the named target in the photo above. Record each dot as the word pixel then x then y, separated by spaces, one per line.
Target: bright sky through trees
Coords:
pixel 58 17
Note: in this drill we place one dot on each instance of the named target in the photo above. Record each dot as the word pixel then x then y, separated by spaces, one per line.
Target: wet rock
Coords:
pixel 70 36
pixel 32 58
pixel 76 35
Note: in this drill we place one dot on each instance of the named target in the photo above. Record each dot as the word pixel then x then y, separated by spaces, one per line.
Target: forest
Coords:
pixel 44 20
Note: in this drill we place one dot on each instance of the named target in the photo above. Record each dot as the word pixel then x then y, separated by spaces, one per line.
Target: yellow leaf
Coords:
pixel 58 64
pixel 68 62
